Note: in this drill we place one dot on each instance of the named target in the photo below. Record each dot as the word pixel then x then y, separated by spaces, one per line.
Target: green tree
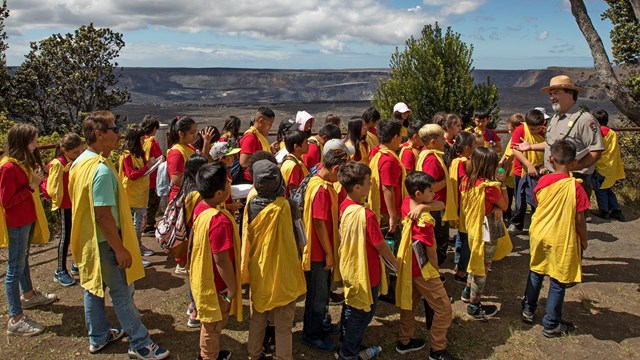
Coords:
pixel 433 74
pixel 66 76
pixel 625 38
pixel 5 85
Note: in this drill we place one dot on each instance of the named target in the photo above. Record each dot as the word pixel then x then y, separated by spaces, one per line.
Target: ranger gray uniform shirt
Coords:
pixel 577 127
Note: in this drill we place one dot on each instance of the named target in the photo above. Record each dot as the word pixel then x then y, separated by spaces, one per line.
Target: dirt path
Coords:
pixel 604 308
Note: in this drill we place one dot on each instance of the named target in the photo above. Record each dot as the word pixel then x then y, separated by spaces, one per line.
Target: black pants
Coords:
pixel 315 305
pixel 152 208
pixel 521 207
pixel 65 237
pixel 441 233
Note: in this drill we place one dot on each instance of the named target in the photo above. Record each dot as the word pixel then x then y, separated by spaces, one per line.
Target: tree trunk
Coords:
pixel 635 4
pixel 616 93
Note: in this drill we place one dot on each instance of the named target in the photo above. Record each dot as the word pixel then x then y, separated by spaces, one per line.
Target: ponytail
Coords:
pixel 463 139
pixel 178 124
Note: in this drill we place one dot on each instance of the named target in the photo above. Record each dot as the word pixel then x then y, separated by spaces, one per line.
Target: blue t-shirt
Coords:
pixel 105 189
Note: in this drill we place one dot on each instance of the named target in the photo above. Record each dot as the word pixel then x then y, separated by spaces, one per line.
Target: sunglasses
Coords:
pixel 114 129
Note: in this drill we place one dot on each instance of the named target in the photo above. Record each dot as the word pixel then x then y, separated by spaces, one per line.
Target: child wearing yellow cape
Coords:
pixel 418 275
pixel 609 169
pixel 558 235
pixel 215 261
pixel 361 251
pixel 482 201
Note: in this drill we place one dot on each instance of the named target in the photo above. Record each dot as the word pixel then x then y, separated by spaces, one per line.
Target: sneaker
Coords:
pixel 224 355
pixel 618 215
pixel 145 251
pixel 321 344
pixel 412 345
pixel 466 295
pixel 601 214
pixel 151 351
pixel 38 299
pixel 441 355
pixel 190 309
pixel 460 279
pixel 563 329
pixel 482 312
pixel 74 269
pixel 513 230
pixel 24 327
pixel 527 316
pixel 115 334
pixel 193 322
pixel 180 270
pixel 145 263
pixel 336 298
pixel 63 278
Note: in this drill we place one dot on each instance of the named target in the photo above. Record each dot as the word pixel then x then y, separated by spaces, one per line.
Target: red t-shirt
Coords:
pixel 155 152
pixel 374 150
pixel 296 176
pixel 130 171
pixel 432 166
pixel 423 234
pixel 175 166
pixel 582 200
pixel 492 194
pixel 220 239
pixel 408 159
pixel 374 238
pixel 357 156
pixel 312 157
pixel 516 138
pixel 491 135
pixel 604 130
pixel 390 171
pixel 321 210
pixel 16 196
pixel 249 144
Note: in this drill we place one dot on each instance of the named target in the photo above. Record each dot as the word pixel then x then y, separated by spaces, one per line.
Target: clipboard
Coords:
pixel 155 166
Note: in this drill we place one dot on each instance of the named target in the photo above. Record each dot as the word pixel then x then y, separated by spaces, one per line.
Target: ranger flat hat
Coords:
pixel 561 82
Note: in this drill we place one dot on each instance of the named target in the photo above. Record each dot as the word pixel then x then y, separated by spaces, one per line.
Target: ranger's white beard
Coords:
pixel 555 107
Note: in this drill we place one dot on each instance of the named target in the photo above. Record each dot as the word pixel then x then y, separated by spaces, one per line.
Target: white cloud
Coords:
pixel 543 36
pixel 330 23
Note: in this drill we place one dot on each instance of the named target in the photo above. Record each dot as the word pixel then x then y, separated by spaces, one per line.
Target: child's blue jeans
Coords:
pixel 607 200
pixel 555 299
pixel 353 324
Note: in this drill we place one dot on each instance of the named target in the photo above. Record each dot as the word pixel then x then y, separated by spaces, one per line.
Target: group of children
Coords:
pixel 371 212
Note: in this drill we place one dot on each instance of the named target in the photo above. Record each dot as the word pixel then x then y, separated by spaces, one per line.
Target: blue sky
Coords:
pixel 312 34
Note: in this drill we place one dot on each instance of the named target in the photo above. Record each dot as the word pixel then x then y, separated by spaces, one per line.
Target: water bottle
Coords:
pixel 370 353
pixel 500 174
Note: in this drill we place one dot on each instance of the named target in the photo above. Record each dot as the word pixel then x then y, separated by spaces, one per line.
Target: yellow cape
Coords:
pixel 84 240
pixel 201 275
pixel 138 189
pixel 451 209
pixel 353 259
pixel 271 255
pixel 404 285
pixel 555 248
pixel 184 150
pixel 536 158
pixel 287 168
pixel 41 226
pixel 314 139
pixel 450 214
pixel 55 182
pixel 364 154
pixel 372 139
pixel 263 141
pixel 146 146
pixel 473 208
pixel 610 164
pixel 315 183
pixel 509 180
pixel 416 152
pixel 374 193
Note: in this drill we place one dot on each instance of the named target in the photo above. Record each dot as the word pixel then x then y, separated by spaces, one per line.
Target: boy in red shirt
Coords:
pixel 313 157
pixel 151 148
pixel 255 138
pixel 361 248
pixel 418 272
pixel 293 169
pixel 558 236
pixel 481 118
pixel 410 150
pixel 320 217
pixel 215 261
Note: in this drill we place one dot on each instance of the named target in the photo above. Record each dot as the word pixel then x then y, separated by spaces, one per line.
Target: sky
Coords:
pixel 312 34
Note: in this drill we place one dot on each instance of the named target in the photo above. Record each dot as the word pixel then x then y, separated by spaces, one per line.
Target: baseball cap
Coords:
pixel 337 144
pixel 220 149
pixel 401 108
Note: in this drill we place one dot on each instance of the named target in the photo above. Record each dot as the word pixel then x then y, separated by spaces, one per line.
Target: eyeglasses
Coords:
pixel 114 129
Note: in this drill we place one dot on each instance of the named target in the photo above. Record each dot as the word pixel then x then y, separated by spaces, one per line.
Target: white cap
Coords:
pixel 301 118
pixel 401 108
pixel 337 144
pixel 544 112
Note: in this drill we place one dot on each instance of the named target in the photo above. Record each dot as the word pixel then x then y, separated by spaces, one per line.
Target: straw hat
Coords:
pixel 561 82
